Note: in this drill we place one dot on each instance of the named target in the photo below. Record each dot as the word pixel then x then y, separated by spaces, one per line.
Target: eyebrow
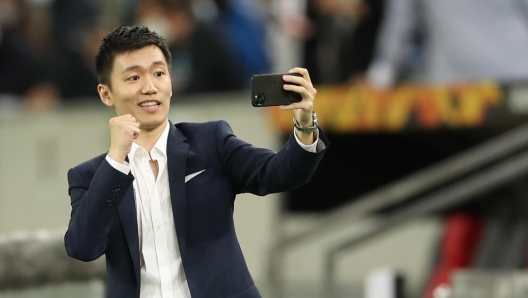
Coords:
pixel 132 67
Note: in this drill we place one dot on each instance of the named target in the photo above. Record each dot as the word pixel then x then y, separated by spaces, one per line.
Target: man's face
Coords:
pixel 141 86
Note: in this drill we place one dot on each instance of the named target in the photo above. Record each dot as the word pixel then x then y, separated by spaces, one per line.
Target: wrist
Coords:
pixel 305 123
pixel 311 126
pixel 117 155
pixel 303 118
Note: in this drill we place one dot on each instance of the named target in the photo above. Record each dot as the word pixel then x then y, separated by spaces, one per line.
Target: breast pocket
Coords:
pixel 192 175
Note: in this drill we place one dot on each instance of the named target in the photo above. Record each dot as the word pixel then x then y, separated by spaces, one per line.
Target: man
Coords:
pixel 159 204
pixel 190 41
pixel 462 41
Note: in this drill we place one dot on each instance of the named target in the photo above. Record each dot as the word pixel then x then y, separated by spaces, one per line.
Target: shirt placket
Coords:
pixel 160 238
pixel 143 206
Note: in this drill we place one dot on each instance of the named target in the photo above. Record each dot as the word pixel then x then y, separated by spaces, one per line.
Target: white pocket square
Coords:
pixel 190 176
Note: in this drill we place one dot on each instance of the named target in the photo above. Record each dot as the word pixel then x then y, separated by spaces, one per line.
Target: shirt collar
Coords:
pixel 160 146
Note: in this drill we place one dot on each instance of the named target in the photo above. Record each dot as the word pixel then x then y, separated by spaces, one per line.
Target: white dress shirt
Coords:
pixel 162 274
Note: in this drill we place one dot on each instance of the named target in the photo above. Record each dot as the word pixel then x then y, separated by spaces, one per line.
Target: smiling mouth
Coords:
pixel 147 104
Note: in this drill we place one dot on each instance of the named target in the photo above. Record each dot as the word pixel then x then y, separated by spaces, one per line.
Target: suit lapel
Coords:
pixel 177 149
pixel 128 216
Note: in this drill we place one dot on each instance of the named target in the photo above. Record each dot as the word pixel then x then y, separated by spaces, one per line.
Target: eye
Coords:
pixel 159 74
pixel 133 78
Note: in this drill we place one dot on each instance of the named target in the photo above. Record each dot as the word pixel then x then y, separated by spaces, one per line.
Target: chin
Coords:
pixel 151 123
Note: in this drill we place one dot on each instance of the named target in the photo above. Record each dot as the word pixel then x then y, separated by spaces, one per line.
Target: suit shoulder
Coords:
pixel 89 167
pixel 190 129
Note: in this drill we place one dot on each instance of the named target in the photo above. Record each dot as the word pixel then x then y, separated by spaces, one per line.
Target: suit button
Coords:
pixel 109 203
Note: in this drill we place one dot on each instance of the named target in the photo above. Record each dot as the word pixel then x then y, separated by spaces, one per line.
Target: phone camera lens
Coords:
pixel 259 99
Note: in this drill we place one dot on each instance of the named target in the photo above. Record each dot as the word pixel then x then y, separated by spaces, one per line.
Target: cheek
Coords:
pixel 124 102
pixel 126 94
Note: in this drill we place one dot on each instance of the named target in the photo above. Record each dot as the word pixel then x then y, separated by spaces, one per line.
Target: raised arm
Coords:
pixel 263 171
pixel 96 188
pixel 94 204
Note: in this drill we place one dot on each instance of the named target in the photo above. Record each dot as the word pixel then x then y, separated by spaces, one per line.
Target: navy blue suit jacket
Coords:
pixel 103 218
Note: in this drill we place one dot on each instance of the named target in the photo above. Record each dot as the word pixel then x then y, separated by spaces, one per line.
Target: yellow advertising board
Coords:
pixel 348 109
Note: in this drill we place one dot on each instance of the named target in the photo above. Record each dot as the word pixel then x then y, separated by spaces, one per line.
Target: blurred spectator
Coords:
pixel 71 18
pixel 343 39
pixel 76 36
pixel 74 69
pixel 462 40
pixel 17 62
pixel 288 31
pixel 206 10
pixel 243 27
pixel 128 10
pixel 22 77
pixel 358 50
pixel 201 60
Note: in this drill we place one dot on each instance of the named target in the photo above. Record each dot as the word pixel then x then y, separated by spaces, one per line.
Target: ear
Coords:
pixel 104 94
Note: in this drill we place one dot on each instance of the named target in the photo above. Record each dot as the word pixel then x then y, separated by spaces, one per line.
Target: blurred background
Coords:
pixel 422 193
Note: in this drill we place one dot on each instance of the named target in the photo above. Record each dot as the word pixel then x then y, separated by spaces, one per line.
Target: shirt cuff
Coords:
pixel 123 168
pixel 310 148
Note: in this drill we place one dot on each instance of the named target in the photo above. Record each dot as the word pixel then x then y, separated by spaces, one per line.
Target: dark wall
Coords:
pixel 355 164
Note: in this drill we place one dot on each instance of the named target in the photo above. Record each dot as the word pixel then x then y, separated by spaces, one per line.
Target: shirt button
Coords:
pixel 158 227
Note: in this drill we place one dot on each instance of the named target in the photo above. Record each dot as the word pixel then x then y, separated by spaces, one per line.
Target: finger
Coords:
pixel 303 105
pixel 303 72
pixel 128 117
pixel 301 90
pixel 135 132
pixel 122 120
pixel 129 130
pixel 127 120
pixel 297 80
pixel 132 128
pixel 132 123
pixel 288 107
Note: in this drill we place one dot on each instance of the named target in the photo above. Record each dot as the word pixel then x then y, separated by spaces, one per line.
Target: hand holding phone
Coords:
pixel 267 90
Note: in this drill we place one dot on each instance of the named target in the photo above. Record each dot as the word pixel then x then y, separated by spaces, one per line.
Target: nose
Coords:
pixel 148 87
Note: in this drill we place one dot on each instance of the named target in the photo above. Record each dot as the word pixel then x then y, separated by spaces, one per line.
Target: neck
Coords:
pixel 148 137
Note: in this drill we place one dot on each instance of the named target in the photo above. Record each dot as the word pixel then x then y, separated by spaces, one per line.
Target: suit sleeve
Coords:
pixel 94 204
pixel 262 171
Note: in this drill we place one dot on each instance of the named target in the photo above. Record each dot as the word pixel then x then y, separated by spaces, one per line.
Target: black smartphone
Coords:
pixel 267 90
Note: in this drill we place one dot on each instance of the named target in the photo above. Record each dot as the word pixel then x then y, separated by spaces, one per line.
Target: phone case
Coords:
pixel 267 90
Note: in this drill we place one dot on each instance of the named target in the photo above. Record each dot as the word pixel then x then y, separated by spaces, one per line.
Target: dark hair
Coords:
pixel 123 40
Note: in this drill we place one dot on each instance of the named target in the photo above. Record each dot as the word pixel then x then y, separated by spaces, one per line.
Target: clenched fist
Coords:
pixel 123 131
